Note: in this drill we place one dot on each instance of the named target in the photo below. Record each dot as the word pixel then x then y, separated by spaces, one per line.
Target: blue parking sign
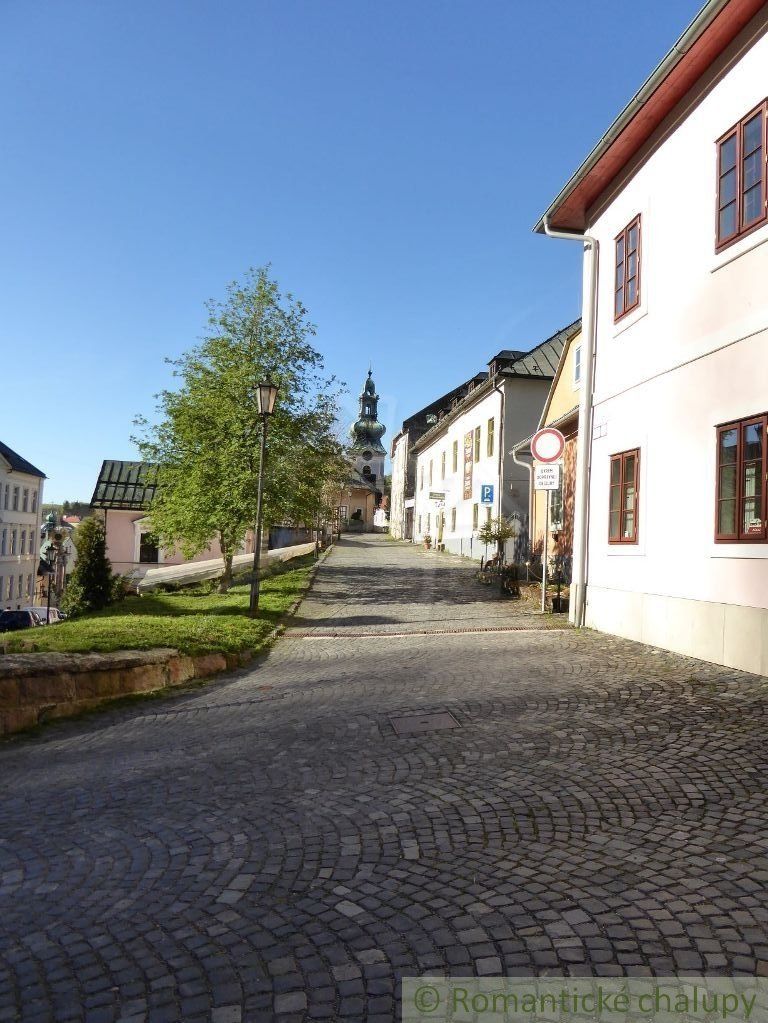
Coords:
pixel 486 493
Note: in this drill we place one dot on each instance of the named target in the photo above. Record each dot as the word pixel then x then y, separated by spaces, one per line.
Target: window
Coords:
pixel 3 548
pixel 23 545
pixel 455 456
pixel 7 491
pixel 15 498
pixel 34 500
pixel 488 513
pixel 577 366
pixel 453 520
pixel 13 541
pixel 741 485
pixel 29 585
pixel 623 504
pixel 31 542
pixel 419 523
pixel 429 520
pixel 25 500
pixel 477 444
pixel 421 477
pixel 489 437
pixel 149 553
pixel 627 287
pixel 442 466
pixel 10 587
pixel 741 196
pixel 475 515
pixel 430 472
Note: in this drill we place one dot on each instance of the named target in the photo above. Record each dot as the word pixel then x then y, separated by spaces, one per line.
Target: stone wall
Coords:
pixel 35 688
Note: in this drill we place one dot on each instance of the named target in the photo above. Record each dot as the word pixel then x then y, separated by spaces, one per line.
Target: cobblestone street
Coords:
pixel 286 843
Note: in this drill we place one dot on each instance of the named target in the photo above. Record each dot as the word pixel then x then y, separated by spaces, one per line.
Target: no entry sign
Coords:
pixel 547 445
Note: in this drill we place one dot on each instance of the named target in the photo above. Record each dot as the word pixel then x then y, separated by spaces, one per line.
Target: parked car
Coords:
pixel 12 621
pixel 42 614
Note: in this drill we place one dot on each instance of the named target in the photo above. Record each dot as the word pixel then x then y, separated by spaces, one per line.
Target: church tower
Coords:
pixel 366 434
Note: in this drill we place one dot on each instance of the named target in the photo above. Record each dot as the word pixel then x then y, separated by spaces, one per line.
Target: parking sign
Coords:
pixel 486 493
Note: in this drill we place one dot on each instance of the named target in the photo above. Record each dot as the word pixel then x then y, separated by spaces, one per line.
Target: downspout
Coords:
pixel 501 458
pixel 529 467
pixel 584 446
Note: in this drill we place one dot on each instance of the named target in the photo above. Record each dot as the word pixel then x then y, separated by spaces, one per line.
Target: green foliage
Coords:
pixel 191 621
pixel 91 585
pixel 496 531
pixel 207 440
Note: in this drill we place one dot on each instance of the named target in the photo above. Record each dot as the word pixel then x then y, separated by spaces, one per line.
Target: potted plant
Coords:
pixel 427 541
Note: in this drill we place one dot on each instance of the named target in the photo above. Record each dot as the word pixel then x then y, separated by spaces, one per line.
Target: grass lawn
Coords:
pixel 193 621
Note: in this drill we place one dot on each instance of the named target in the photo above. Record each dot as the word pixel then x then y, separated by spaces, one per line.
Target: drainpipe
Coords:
pixel 529 467
pixel 501 460
pixel 584 447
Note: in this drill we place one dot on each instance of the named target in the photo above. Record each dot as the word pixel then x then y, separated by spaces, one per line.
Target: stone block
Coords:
pixel 209 664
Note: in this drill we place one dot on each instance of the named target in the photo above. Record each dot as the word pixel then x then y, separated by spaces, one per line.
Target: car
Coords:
pixel 12 621
pixel 42 614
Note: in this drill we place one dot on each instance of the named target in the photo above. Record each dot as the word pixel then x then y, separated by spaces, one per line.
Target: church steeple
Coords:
pixel 366 433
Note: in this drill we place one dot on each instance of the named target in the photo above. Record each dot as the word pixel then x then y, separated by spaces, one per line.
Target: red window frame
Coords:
pixel 724 198
pixel 622 277
pixel 739 534
pixel 622 458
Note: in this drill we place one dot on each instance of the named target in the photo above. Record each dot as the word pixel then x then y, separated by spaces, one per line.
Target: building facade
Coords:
pixel 674 198
pixel 21 495
pixel 553 517
pixel 404 460
pixel 123 494
pixel 465 474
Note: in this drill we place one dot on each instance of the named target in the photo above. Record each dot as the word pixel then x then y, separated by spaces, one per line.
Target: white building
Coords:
pixel 674 196
pixel 21 494
pixel 464 469
pixel 402 499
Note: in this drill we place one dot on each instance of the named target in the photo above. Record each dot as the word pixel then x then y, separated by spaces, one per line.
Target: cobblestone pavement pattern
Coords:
pixel 269 848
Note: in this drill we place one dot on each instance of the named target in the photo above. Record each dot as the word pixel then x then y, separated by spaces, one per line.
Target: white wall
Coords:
pixel 692 356
pixel 399 480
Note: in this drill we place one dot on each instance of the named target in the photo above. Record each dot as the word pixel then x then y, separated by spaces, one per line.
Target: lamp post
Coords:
pixel 266 394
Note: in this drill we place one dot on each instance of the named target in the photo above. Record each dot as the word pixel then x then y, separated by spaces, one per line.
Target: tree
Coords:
pixel 91 585
pixel 206 442
pixel 496 531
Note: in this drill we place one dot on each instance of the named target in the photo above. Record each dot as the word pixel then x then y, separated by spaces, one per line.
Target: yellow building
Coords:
pixel 561 412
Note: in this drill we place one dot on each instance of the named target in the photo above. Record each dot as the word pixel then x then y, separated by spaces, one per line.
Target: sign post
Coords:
pixel 547 447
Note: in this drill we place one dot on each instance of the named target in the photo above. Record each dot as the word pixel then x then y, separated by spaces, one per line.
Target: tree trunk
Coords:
pixel 226 576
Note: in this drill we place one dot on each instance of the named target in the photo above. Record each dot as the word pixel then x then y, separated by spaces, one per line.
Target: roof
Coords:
pixel 715 26
pixel 539 363
pixel 522 445
pixel 129 486
pixel 359 482
pixel 19 464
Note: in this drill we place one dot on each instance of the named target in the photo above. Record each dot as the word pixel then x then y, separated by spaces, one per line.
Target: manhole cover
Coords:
pixel 408 724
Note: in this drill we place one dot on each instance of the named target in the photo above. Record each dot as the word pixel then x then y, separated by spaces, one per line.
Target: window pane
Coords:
pixel 614 521
pixel 632 265
pixel 629 525
pixel 632 239
pixel 728 153
pixel 727 482
pixel 727 188
pixel 727 221
pixel 620 250
pixel 753 203
pixel 629 469
pixel 728 442
pixel 726 517
pixel 615 472
pixel 619 301
pixel 753 522
pixel 753 167
pixel 631 291
pixel 753 133
pixel 752 439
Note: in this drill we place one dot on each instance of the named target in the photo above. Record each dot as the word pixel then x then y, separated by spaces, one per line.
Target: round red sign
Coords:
pixel 547 445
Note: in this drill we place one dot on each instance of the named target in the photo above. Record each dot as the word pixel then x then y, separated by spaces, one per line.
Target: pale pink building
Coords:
pixel 671 528
pixel 124 491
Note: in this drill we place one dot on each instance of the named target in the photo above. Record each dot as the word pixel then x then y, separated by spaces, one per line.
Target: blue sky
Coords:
pixel 388 159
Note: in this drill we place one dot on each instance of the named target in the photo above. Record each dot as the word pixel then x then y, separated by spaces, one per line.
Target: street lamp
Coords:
pixel 266 394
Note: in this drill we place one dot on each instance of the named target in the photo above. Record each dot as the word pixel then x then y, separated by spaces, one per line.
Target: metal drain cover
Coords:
pixel 409 724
